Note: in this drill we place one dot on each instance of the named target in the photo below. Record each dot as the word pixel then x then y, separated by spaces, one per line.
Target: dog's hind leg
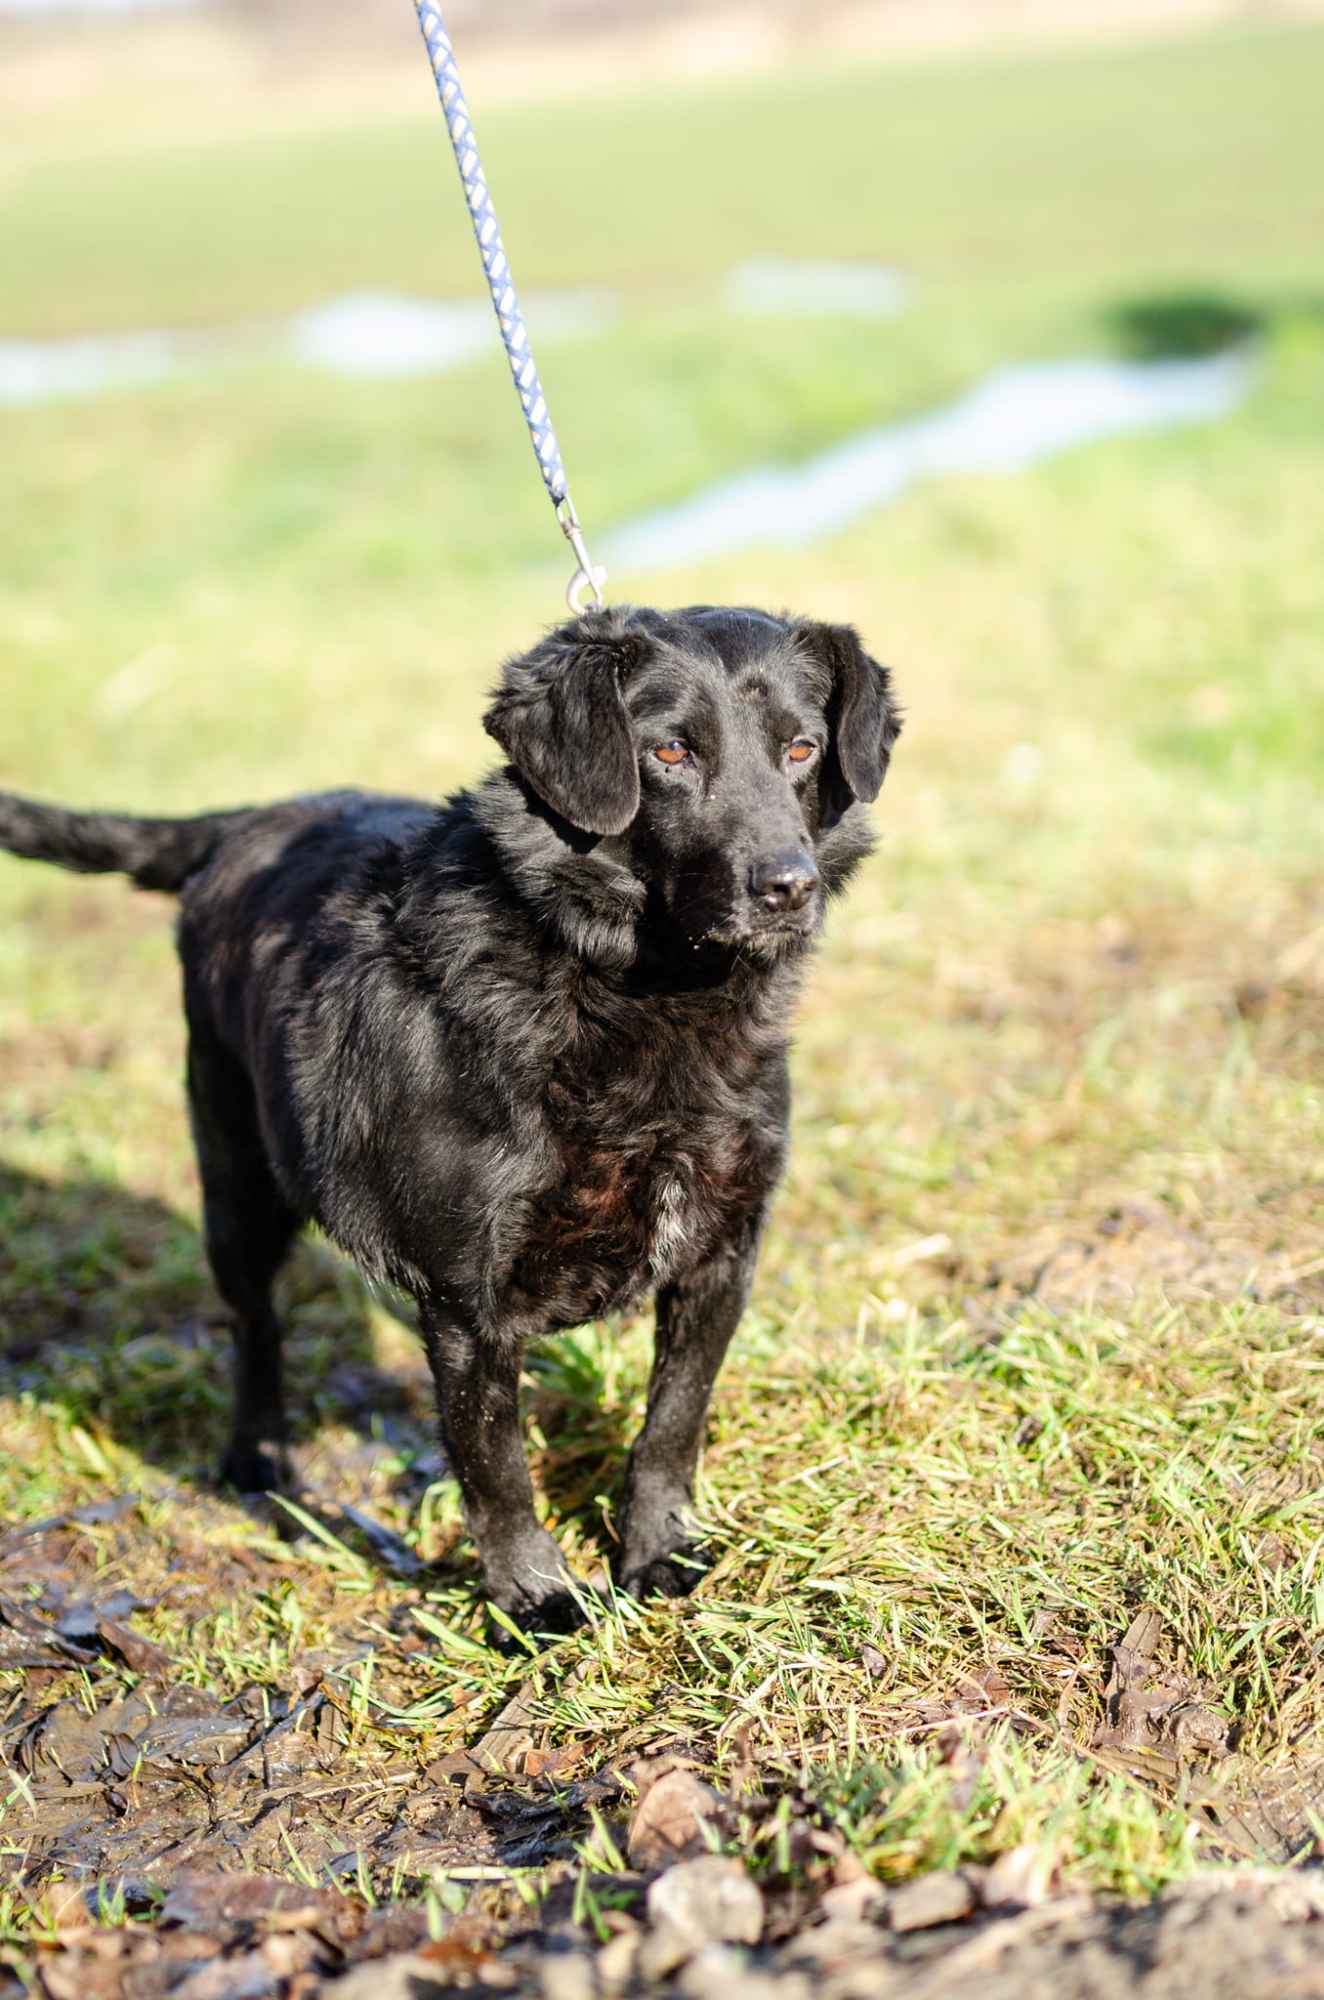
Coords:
pixel 249 1228
pixel 696 1317
pixel 477 1383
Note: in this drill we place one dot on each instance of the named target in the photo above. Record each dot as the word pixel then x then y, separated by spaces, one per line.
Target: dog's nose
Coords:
pixel 783 881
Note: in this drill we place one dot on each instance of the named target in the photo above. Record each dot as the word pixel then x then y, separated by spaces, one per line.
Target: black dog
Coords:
pixel 524 1054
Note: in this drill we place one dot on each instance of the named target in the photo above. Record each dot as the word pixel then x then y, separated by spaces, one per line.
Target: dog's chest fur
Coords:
pixel 655 1159
pixel 622 1220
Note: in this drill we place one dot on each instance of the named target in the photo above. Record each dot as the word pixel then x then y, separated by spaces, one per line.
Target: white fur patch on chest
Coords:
pixel 672 1223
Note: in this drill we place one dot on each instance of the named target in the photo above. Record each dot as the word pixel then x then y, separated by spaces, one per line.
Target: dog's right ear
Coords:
pixel 562 722
pixel 863 715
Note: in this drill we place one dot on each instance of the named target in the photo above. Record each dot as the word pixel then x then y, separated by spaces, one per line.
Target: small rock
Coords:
pixel 246 1978
pixel 1021 1878
pixel 1192 1726
pixel 400 1977
pixel 708 1901
pixel 288 1953
pixel 668 1821
pixel 62 1979
pixel 1295 1898
pixel 65 1908
pixel 859 1898
pixel 567 1975
pixel 616 1961
pixel 841 1944
pixel 716 1969
pixel 663 1950
pixel 713 1897
pixel 940 1898
pixel 189 1947
pixel 718 1973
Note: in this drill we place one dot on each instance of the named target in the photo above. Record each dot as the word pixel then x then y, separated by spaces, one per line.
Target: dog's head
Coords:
pixel 717 752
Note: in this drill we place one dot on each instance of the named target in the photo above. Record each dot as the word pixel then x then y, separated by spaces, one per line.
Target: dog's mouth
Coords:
pixel 709 905
pixel 762 935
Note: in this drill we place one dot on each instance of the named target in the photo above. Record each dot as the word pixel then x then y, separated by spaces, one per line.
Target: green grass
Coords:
pixel 1161 162
pixel 1068 1022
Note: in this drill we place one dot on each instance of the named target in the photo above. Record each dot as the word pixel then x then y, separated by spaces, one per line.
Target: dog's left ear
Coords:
pixel 562 722
pixel 863 716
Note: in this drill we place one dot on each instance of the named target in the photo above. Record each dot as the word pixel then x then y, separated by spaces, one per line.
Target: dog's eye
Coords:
pixel 674 752
pixel 801 750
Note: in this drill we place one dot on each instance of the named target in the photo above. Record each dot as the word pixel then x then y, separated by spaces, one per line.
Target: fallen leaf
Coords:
pixel 1152 1717
pixel 667 1823
pixel 29 1641
pixel 196 1901
pixel 554 1763
pixel 508 1738
pixel 137 1653
pixel 989 1685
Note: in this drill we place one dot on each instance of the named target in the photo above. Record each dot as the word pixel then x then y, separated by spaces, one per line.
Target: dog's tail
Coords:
pixel 156 853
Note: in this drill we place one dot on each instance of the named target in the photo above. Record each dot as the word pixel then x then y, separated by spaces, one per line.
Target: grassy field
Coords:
pixel 1039 1330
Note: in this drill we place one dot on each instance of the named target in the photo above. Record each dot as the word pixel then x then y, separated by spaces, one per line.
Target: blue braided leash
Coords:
pixel 514 333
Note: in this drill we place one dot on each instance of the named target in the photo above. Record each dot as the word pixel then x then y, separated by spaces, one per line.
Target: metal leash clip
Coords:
pixel 590 575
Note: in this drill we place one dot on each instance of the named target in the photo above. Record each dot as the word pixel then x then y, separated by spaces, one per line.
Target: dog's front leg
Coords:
pixel 696 1318
pixel 477 1383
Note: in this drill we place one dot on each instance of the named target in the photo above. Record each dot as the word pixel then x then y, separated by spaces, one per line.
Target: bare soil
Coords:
pixel 180 1844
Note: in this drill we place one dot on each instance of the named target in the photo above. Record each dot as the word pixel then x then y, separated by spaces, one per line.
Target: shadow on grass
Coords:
pixel 1190 321
pixel 107 1309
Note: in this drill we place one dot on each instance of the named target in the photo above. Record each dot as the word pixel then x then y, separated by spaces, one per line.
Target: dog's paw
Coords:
pixel 531 1586
pixel 253 1470
pixel 672 1575
pixel 550 1616
pixel 661 1552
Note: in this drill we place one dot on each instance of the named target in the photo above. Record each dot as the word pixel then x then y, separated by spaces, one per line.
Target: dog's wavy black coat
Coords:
pixel 524 1054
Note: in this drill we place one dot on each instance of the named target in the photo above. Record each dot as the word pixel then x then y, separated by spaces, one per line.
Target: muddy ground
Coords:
pixel 698 1925
pixel 175 1843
